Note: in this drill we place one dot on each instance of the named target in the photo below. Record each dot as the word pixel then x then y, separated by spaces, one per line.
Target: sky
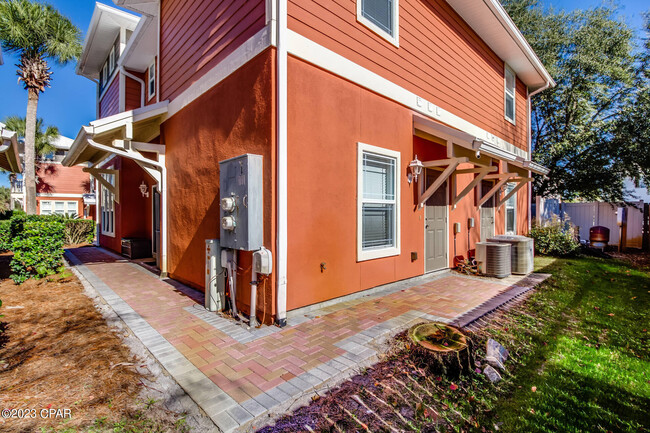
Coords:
pixel 71 101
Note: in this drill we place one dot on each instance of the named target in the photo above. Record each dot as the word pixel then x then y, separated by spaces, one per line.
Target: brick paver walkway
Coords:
pixel 269 368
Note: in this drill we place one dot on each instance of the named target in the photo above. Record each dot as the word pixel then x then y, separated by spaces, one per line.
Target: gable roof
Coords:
pixel 104 28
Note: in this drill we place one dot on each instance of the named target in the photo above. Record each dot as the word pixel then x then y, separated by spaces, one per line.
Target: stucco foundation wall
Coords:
pixel 233 118
pixel 328 116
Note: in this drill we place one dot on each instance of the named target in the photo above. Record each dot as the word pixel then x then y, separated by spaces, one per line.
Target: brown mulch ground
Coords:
pixel 638 259
pixel 61 354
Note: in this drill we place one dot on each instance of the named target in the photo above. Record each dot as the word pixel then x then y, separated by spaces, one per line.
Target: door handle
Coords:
pixel 426 226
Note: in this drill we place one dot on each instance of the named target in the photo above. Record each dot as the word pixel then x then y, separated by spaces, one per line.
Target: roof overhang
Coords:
pixel 475 146
pixel 493 24
pixel 141 48
pixel 9 154
pixel 105 26
pixel 147 7
pixel 107 136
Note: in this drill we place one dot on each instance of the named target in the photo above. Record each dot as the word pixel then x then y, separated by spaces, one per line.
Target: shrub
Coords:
pixel 78 231
pixel 37 243
pixel 555 238
pixel 5 235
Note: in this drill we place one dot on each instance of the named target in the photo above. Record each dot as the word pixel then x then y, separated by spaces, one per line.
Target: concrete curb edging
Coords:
pixel 119 317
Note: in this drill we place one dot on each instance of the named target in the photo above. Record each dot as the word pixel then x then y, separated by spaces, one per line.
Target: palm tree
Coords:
pixel 44 136
pixel 36 32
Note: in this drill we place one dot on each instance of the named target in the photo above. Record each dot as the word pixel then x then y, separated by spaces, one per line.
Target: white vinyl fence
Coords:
pixel 587 215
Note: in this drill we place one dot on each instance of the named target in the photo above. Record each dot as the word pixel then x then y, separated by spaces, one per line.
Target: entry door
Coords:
pixel 155 244
pixel 435 232
pixel 487 212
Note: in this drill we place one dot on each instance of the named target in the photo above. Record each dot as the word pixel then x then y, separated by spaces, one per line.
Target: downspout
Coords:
pixel 281 49
pixel 530 151
pixel 133 77
pixel 163 216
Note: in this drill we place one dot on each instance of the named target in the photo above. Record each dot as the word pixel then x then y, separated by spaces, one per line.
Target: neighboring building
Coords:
pixel 59 189
pixel 339 97
pixel 637 190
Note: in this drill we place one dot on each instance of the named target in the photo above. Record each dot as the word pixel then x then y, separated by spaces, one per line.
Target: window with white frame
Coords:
pixel 49 207
pixel 510 84
pixel 511 210
pixel 151 80
pixel 380 16
pixel 108 207
pixel 378 202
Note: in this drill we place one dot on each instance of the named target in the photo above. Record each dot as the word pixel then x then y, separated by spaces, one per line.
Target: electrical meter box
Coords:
pixel 242 202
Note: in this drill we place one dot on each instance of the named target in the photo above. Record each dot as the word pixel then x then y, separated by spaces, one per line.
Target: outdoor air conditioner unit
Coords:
pixel 493 259
pixel 523 252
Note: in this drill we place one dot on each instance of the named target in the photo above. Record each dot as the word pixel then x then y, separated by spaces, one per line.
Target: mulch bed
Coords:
pixel 397 394
pixel 61 354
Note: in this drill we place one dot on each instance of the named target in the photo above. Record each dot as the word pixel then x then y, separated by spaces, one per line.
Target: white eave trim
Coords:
pixel 9 145
pixel 95 22
pixel 107 124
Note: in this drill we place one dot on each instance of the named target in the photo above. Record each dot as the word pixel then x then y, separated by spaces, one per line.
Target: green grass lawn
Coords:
pixel 581 341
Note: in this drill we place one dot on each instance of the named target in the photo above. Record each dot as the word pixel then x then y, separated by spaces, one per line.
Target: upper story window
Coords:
pixel 380 16
pixel 378 203
pixel 110 65
pixel 151 80
pixel 510 83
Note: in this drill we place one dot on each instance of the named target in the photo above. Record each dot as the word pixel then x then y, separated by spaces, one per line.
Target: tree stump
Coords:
pixel 442 348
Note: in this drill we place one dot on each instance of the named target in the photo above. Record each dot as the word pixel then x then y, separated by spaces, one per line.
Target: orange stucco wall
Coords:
pixel 328 116
pixel 233 118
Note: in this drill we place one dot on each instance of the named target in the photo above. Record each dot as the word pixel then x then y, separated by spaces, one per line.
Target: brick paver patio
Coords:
pixel 237 375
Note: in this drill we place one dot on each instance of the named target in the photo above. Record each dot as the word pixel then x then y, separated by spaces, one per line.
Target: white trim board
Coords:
pixel 324 58
pixel 395 250
pixel 235 60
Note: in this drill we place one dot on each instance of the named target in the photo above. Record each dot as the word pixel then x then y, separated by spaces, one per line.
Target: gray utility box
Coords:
pixel 242 202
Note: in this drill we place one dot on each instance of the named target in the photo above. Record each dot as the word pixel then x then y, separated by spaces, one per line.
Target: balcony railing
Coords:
pixel 17 187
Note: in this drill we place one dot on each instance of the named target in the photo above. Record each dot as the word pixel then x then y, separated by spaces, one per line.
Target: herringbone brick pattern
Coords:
pixel 247 370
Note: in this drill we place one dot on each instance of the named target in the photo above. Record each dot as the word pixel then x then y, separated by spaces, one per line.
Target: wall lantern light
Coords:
pixel 415 169
pixel 144 189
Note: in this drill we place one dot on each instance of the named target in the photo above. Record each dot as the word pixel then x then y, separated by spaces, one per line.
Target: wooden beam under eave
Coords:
pixel 492 191
pixel 490 169
pixel 441 179
pixel 97 174
pixel 522 181
pixel 443 162
pixel 481 174
pixel 500 175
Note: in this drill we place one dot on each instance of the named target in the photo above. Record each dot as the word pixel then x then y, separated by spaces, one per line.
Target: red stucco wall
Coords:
pixel 233 118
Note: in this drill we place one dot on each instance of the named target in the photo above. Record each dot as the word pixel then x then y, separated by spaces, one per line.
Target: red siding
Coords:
pixel 133 214
pixel 132 91
pixel 57 179
pixel 110 102
pixel 439 58
pixel 197 35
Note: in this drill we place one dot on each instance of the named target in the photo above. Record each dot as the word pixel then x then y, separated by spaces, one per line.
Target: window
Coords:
pixel 510 83
pixel 378 203
pixel 380 16
pixel 46 207
pixel 108 207
pixel 151 79
pixel 511 211
pixel 58 207
pixel 110 65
